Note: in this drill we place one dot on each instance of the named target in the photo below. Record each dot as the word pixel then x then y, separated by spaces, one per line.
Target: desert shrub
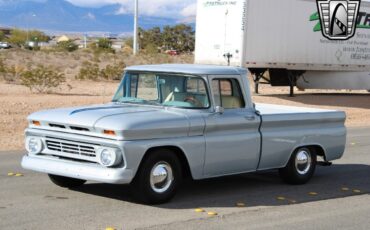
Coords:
pixel 2 66
pixel 12 74
pixel 69 46
pixel 42 79
pixel 113 72
pixel 89 71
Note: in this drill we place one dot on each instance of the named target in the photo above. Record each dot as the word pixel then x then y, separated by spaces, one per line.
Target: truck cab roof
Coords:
pixel 189 69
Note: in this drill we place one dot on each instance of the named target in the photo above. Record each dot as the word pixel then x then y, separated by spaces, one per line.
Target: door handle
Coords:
pixel 250 118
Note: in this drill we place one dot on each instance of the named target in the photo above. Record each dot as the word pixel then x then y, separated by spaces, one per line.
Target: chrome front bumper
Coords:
pixel 83 171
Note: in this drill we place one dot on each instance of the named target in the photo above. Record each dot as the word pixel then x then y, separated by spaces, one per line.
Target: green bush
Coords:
pixel 42 79
pixel 69 46
pixel 89 71
pixel 113 72
pixel 104 43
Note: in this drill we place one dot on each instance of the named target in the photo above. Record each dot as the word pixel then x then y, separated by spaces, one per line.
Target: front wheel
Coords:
pixel 158 177
pixel 66 182
pixel 300 167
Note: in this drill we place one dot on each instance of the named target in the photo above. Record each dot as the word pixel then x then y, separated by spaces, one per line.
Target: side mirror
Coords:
pixel 219 110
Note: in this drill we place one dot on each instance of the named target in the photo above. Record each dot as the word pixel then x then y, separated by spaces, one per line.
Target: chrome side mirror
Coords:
pixel 219 110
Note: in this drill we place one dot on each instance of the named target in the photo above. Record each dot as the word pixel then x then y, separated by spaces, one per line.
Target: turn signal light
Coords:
pixel 37 123
pixel 109 132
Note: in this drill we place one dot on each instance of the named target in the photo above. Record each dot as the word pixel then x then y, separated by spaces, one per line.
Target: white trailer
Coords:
pixel 281 43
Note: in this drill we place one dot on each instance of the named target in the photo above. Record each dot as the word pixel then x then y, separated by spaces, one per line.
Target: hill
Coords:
pixel 60 15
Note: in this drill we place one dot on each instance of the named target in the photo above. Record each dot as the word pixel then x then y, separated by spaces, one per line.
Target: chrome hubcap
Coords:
pixel 161 177
pixel 303 162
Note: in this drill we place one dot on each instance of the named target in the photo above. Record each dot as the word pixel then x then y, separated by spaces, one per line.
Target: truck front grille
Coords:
pixel 71 149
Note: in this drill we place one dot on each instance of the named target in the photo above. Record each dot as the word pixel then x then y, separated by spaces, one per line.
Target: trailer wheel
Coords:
pixel 158 177
pixel 300 168
pixel 66 182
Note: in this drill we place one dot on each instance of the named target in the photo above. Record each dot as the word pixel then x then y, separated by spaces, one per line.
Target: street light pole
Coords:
pixel 136 30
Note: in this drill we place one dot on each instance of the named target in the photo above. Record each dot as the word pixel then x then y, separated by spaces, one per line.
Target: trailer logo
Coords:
pixel 338 18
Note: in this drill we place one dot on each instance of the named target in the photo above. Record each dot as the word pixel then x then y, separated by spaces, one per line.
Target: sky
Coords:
pixel 169 8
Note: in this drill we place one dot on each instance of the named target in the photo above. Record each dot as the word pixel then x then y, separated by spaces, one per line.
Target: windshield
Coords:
pixel 163 89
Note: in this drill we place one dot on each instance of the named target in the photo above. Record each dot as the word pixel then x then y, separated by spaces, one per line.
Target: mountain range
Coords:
pixel 60 15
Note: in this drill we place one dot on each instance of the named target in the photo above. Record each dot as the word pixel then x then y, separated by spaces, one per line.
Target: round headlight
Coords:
pixel 34 145
pixel 109 157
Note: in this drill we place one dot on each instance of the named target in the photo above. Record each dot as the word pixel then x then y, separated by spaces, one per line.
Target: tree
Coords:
pixel 180 37
pixel 19 37
pixel 151 39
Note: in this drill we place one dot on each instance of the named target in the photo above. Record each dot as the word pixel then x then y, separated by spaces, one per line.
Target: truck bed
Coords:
pixel 288 128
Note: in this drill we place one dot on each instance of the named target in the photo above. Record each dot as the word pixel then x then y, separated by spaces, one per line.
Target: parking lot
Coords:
pixel 336 198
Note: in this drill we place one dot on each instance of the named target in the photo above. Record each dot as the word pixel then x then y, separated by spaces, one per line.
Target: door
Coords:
pixel 232 137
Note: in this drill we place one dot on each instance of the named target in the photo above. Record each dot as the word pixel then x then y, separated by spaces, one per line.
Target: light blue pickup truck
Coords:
pixel 170 121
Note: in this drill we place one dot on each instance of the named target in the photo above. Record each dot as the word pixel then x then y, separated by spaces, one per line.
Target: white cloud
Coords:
pixel 90 16
pixel 162 8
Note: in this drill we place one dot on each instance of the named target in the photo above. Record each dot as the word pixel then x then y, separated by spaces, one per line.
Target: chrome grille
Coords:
pixel 71 149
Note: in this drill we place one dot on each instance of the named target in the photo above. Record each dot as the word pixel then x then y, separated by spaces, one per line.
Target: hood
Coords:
pixel 128 121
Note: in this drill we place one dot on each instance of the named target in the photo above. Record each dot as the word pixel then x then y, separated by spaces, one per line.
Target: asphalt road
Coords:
pixel 32 202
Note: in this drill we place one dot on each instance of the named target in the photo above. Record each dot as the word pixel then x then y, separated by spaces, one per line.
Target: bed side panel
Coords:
pixel 283 133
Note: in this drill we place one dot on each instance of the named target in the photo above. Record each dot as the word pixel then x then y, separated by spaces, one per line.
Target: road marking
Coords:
pixel 110 228
pixel 11 174
pixel 240 204
pixel 18 174
pixel 312 193
pixel 356 190
pixel 280 198
pixel 345 189
pixel 212 213
pixel 199 210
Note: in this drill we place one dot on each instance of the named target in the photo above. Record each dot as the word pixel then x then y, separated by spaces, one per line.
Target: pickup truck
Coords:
pixel 167 122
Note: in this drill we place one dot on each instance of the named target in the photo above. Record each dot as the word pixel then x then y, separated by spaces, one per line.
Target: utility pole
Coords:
pixel 136 30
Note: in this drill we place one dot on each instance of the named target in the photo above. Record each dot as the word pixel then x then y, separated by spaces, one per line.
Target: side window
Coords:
pixel 194 85
pixel 227 93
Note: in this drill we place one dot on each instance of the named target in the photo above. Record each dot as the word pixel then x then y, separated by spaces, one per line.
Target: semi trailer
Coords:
pixel 282 44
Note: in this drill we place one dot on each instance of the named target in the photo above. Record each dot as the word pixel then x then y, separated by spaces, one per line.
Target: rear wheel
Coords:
pixel 66 182
pixel 300 167
pixel 158 177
